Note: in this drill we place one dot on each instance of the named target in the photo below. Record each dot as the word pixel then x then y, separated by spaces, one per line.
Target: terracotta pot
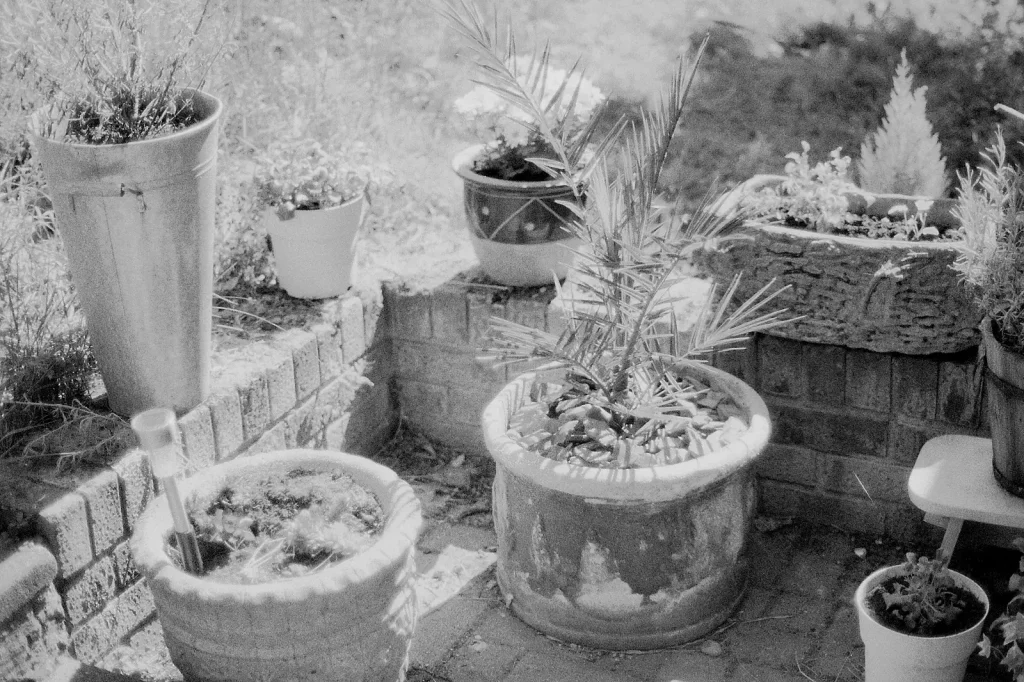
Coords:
pixel 137 220
pixel 353 620
pixel 518 229
pixel 313 252
pixel 1004 385
pixel 883 295
pixel 624 558
pixel 892 656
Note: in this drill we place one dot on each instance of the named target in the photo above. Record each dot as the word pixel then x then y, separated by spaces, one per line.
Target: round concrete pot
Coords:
pixel 624 558
pixel 351 621
pixel 891 656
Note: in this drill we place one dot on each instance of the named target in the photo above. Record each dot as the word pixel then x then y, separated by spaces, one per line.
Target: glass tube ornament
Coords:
pixel 157 431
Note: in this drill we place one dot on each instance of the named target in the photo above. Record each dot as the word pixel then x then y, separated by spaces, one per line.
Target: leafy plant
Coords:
pixel 109 71
pixel 990 208
pixel 923 599
pixel 567 99
pixel 1008 627
pixel 301 175
pixel 610 348
pixel 903 156
pixel 818 197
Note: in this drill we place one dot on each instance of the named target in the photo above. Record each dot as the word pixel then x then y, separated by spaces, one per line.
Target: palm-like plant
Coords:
pixel 622 348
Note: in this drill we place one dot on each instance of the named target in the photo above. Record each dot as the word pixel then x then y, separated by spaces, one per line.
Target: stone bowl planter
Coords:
pixel 624 558
pixel 883 295
pixel 352 620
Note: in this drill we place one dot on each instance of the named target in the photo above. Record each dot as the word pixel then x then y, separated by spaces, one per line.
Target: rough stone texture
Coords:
pixel 881 295
pixel 136 482
pixel 226 411
pixel 281 385
pixel 198 442
pixel 65 525
pixel 118 618
pixel 25 571
pixel 34 639
pixel 89 590
pixel 305 360
pixel 350 330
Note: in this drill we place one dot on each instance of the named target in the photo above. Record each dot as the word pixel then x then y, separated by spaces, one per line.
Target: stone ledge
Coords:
pixel 25 571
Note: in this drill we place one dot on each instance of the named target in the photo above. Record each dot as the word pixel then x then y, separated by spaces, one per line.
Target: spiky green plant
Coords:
pixel 108 71
pixel 990 208
pixel 903 156
pixel 628 264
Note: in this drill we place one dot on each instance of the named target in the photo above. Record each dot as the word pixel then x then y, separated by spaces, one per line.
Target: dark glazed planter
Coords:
pixel 882 295
pixel 624 559
pixel 518 229
pixel 1004 384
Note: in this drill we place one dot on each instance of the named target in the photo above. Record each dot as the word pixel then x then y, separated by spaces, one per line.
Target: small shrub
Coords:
pixel 903 156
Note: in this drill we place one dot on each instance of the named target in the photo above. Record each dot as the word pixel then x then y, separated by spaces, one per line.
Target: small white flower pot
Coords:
pixel 891 656
pixel 314 250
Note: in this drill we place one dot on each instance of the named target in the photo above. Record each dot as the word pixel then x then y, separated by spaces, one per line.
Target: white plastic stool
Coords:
pixel 952 482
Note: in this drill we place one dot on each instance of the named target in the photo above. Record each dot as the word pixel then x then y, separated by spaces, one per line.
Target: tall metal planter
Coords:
pixel 137 222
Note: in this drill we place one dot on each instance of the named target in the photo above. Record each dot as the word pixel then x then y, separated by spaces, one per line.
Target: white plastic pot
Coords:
pixel 891 656
pixel 313 251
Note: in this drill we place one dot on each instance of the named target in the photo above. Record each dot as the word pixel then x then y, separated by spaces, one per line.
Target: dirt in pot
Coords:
pixel 572 423
pixel 264 527
pixel 960 609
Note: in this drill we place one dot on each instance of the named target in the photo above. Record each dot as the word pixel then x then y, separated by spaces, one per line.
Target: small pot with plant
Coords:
pixel 991 210
pixel 128 146
pixel 315 205
pixel 919 621
pixel 517 209
pixel 868 262
pixel 307 565
pixel 624 487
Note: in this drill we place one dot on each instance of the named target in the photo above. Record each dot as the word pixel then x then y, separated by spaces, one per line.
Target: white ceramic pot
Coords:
pixel 314 250
pixel 892 656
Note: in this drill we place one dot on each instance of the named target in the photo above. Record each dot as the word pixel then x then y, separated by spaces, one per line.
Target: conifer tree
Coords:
pixel 903 156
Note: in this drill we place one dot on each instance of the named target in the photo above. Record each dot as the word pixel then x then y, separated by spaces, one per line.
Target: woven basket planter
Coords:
pixel 884 295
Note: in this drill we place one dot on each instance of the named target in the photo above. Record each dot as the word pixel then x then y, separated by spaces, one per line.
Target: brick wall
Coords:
pixel 848 424
pixel 328 387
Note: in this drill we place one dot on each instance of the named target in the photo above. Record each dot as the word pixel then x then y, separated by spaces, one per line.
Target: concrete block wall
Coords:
pixel 329 387
pixel 848 424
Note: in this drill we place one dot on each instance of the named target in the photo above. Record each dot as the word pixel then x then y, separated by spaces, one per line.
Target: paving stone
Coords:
pixel 89 590
pixel 868 380
pixel 478 660
pixel 65 525
pixel 351 330
pixel 858 477
pixel 449 317
pixel 226 413
pixel 328 350
pixel 915 386
pixel 254 402
pixel 840 654
pixel 71 670
pixel 123 614
pixel 440 630
pixel 280 385
pixel 812 574
pixel 102 493
pixel 305 360
pixel 534 666
pixel 692 666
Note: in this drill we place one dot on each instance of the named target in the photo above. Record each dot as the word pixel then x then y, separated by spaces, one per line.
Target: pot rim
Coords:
pixel 400 532
pixel 860 600
pixel 462 164
pixel 650 484
pixel 209 120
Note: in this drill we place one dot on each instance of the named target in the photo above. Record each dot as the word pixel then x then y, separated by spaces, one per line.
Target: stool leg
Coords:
pixel 952 535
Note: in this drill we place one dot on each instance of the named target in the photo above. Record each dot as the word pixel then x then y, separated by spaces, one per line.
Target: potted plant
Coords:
pixel 314 207
pixel 1006 629
pixel 308 566
pixel 919 621
pixel 128 145
pixel 991 210
pixel 624 487
pixel 869 262
pixel 516 209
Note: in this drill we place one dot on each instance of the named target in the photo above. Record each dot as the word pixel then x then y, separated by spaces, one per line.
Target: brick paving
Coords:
pixel 796 624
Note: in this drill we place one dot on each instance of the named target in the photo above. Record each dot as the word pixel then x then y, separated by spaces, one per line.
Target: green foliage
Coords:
pixel 610 348
pixel 991 259
pixel 924 598
pixel 1008 627
pixel 304 175
pixel 108 71
pixel 903 156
